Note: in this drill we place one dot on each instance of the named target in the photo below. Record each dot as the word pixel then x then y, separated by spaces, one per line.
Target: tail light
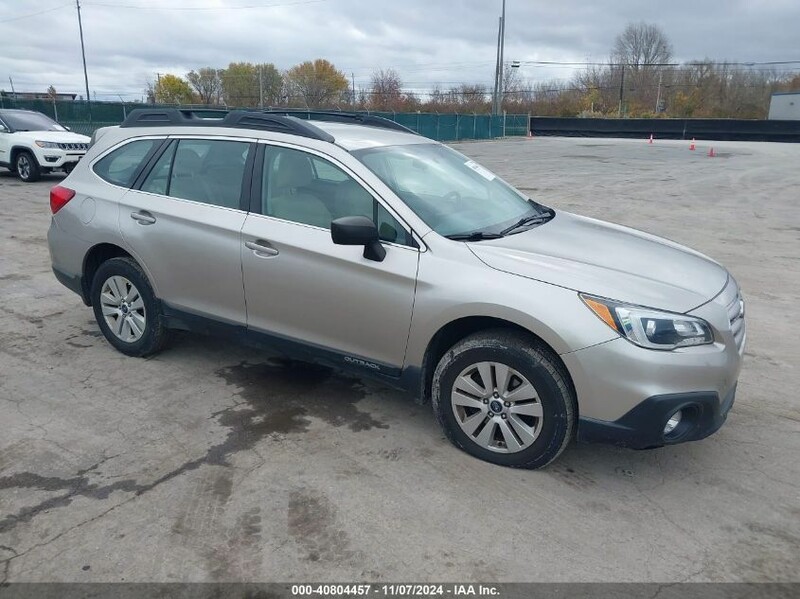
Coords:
pixel 59 196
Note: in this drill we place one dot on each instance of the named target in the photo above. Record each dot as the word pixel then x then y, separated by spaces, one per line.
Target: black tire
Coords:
pixel 155 332
pixel 26 167
pixel 530 358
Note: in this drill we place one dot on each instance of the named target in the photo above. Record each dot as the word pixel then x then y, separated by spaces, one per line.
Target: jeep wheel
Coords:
pixel 126 308
pixel 504 397
pixel 27 168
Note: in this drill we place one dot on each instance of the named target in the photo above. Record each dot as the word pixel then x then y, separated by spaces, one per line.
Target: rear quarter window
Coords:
pixel 121 166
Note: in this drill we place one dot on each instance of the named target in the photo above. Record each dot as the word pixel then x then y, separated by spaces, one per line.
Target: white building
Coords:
pixel 785 106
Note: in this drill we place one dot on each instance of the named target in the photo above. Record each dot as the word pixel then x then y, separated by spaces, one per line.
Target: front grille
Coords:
pixel 736 318
pixel 78 147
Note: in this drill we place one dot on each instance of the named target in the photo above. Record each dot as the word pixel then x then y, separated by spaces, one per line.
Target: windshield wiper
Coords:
pixel 528 220
pixel 474 236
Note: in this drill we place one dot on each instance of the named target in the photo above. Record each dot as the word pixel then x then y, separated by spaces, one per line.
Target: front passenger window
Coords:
pixel 304 188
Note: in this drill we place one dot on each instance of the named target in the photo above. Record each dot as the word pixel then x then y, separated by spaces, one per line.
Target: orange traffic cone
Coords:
pixel 691 145
pixel 651 139
pixel 711 153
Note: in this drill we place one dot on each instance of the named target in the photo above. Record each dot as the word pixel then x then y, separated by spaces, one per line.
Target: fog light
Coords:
pixel 674 421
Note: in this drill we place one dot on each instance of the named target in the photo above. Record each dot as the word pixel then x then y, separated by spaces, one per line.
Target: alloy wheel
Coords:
pixel 497 407
pixel 23 167
pixel 123 309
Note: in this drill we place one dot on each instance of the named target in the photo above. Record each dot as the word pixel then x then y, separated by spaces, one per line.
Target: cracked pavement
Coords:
pixel 214 462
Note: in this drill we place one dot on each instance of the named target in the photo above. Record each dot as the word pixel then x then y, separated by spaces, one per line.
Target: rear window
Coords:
pixel 121 166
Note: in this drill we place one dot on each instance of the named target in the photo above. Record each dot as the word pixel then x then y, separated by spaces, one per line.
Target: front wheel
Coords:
pixel 504 397
pixel 126 308
pixel 27 168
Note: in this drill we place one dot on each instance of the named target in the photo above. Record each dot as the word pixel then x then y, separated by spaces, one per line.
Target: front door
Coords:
pixel 302 287
pixel 184 224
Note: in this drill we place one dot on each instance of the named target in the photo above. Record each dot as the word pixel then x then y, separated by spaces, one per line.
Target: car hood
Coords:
pixel 607 260
pixel 63 137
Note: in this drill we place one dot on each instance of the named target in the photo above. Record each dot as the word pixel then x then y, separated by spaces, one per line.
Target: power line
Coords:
pixel 199 8
pixel 35 14
pixel 659 64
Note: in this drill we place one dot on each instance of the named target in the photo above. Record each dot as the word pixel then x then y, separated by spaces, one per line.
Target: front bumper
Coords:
pixel 643 427
pixel 58 158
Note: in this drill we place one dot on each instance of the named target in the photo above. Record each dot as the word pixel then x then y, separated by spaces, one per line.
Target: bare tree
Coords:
pixel 206 82
pixel 512 83
pixel 469 97
pixel 641 51
pixel 386 90
pixel 641 44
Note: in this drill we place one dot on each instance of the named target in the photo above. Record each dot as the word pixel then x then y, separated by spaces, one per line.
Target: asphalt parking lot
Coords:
pixel 214 462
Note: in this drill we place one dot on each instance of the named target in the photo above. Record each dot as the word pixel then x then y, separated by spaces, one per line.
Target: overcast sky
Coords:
pixel 426 41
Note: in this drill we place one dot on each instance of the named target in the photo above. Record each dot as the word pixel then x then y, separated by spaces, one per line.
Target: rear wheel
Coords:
pixel 504 397
pixel 126 309
pixel 27 168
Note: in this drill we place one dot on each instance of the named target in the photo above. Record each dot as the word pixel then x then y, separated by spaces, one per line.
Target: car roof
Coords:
pixel 360 137
pixel 349 131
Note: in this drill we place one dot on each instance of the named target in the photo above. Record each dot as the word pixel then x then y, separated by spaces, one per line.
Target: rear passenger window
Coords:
pixel 158 179
pixel 202 170
pixel 120 166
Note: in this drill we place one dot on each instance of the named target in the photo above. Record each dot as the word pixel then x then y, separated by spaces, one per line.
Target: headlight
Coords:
pixel 650 328
pixel 47 144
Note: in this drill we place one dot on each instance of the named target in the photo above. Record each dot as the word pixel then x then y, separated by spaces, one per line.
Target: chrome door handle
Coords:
pixel 261 247
pixel 143 218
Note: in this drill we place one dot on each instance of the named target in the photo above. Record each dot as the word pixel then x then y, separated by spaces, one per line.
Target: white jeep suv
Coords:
pixel 32 144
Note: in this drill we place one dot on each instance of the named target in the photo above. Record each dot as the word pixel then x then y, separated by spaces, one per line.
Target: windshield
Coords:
pixel 29 121
pixel 455 196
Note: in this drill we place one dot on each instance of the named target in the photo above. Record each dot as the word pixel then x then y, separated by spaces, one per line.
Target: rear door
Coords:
pixel 184 222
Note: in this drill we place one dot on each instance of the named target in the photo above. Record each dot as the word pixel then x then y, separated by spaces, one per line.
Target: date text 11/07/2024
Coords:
pixel 395 590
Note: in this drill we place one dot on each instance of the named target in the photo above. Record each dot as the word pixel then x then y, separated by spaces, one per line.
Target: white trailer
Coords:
pixel 784 106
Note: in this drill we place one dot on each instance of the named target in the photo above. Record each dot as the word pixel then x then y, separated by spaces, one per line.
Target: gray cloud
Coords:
pixel 426 41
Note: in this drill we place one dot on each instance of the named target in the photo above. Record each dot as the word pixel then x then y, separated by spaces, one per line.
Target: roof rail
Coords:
pixel 236 119
pixel 369 120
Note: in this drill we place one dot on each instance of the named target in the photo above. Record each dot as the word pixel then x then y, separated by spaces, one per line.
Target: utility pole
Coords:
pixel 621 89
pixel 498 73
pixel 83 56
pixel 658 96
pixel 502 60
pixel 261 86
pixel 497 67
pixel 13 92
pixel 353 80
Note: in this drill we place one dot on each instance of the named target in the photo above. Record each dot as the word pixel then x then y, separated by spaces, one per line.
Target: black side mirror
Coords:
pixel 358 230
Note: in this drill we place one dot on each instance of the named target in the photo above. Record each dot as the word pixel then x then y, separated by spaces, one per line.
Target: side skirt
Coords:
pixel 396 377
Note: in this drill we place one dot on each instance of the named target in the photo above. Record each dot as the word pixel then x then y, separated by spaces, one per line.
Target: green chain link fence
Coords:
pixel 438 126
